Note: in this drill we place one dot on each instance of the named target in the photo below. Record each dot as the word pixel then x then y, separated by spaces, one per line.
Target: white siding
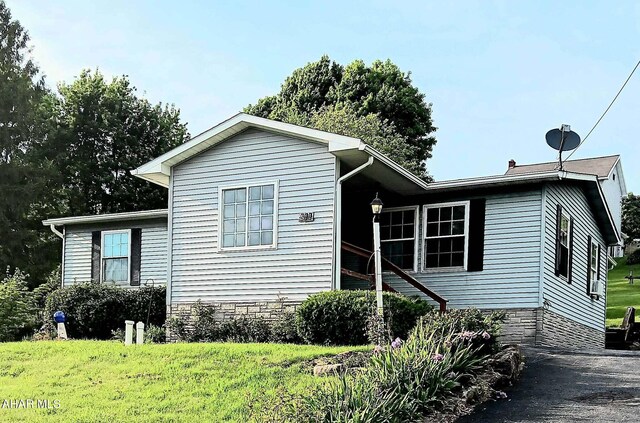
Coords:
pixel 571 300
pixel 77 251
pixel 302 262
pixel 511 275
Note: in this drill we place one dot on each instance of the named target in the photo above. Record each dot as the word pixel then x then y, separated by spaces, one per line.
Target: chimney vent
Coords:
pixel 512 164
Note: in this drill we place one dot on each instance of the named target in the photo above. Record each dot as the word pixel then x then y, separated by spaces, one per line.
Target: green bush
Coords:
pixel 17 308
pixel 342 317
pixel 634 258
pixel 94 311
pixel 404 381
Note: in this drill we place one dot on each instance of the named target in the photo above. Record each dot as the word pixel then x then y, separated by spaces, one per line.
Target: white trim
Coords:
pixel 591 270
pixel 115 231
pixel 112 217
pixel 247 247
pixel 416 231
pixel 170 242
pixel 393 165
pixel 543 246
pixel 64 251
pixel 426 207
pixel 565 214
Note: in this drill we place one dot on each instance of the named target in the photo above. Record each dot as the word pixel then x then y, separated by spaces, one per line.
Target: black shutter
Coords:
pixel 477 210
pixel 570 254
pixel 96 245
pixel 136 255
pixel 558 246
pixel 589 265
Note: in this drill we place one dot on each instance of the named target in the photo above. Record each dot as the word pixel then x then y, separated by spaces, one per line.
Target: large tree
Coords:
pixel 24 186
pixel 323 90
pixel 631 215
pixel 104 130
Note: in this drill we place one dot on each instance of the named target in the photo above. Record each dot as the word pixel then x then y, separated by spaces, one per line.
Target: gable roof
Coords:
pixel 599 166
pixel 109 217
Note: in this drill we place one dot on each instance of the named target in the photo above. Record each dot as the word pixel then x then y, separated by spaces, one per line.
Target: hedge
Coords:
pixel 342 317
pixel 94 311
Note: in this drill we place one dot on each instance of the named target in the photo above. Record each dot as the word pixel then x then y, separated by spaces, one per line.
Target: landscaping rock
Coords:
pixel 328 369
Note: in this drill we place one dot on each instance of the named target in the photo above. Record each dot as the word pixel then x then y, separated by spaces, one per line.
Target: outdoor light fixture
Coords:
pixel 376 205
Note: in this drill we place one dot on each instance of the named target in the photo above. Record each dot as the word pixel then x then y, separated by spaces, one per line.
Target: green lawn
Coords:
pixel 620 294
pixel 102 381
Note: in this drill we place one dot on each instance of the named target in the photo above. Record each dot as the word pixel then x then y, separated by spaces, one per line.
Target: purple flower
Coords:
pixel 486 335
pixel 378 349
pixel 438 357
pixel 397 343
pixel 467 335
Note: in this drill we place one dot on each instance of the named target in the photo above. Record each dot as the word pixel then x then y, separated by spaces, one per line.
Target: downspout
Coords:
pixel 61 235
pixel 338 239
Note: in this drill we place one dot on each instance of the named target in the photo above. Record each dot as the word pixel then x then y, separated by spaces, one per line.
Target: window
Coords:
pixel 563 243
pixel 115 256
pixel 398 236
pixel 445 235
pixel 248 216
pixel 594 261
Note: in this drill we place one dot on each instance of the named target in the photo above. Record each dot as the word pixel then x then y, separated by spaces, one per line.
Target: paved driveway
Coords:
pixel 571 387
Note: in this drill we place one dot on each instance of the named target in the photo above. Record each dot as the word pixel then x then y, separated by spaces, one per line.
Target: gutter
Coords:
pixel 56 231
pixel 338 218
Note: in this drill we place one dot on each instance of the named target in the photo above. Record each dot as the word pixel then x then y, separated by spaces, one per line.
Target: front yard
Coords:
pixel 621 294
pixel 102 381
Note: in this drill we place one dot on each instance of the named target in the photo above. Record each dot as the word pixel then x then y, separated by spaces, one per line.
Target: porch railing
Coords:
pixel 387 265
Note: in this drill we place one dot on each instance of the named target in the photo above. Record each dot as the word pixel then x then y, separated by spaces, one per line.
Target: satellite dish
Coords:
pixel 562 139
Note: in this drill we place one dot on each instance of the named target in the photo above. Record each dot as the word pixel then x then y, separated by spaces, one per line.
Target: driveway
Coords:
pixel 569 386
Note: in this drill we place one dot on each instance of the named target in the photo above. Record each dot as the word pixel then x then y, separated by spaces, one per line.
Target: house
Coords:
pixel 263 214
pixel 608 169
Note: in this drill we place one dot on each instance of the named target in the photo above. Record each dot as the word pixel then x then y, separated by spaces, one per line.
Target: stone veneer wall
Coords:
pixel 559 331
pixel 521 326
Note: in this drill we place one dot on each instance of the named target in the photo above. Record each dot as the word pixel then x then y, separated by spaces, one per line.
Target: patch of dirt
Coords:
pixel 348 360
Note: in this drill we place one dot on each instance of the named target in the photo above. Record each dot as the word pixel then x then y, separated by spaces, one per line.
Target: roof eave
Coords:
pixel 107 218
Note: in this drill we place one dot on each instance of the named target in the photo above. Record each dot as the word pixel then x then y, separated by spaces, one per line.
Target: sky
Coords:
pixel 499 74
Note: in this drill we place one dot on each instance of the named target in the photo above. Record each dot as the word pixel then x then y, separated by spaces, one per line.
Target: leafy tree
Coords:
pixel 380 91
pixel 17 310
pixel 105 130
pixel 24 186
pixel 631 215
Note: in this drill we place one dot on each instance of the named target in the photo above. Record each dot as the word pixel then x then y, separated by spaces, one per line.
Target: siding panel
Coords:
pixel 571 300
pixel 302 262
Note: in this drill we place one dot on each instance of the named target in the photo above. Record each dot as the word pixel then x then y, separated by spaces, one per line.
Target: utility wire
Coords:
pixel 605 112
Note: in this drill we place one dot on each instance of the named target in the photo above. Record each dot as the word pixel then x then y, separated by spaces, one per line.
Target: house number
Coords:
pixel 306 217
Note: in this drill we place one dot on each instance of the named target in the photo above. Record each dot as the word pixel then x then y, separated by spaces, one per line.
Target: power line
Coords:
pixel 605 112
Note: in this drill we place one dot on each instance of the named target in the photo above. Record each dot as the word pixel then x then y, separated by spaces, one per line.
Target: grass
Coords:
pixel 621 294
pixel 104 381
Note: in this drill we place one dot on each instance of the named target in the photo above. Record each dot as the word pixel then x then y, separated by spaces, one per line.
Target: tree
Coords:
pixel 104 131
pixel 631 215
pixel 23 183
pixel 378 92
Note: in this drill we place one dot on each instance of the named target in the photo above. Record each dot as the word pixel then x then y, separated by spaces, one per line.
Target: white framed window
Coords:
pixel 564 242
pixel 594 266
pixel 398 236
pixel 115 266
pixel 248 216
pixel 445 235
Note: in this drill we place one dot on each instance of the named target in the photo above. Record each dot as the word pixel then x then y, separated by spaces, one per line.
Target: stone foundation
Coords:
pixel 559 331
pixel 522 326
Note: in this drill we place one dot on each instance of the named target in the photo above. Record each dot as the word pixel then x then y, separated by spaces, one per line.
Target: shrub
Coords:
pixel 634 258
pixel 155 335
pixel 284 330
pixel 94 311
pixel 342 317
pixel 17 309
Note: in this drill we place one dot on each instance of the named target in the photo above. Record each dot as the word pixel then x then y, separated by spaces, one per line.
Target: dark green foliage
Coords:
pixel 313 94
pixel 17 309
pixel 94 311
pixel 155 335
pixel 341 317
pixel 631 215
pixel 634 258
pixel 284 330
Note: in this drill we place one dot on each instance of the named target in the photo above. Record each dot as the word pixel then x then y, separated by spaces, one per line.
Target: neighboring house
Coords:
pixel 608 169
pixel 263 214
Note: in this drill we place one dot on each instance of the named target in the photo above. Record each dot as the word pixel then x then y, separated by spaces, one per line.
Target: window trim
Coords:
pixel 591 270
pixel 416 233
pixel 102 257
pixel 564 214
pixel 467 208
pixel 221 189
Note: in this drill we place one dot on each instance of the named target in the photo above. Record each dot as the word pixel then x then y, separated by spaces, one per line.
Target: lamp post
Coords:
pixel 376 208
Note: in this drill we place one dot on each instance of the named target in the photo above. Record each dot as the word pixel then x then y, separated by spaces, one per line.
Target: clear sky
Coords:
pixel 499 73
